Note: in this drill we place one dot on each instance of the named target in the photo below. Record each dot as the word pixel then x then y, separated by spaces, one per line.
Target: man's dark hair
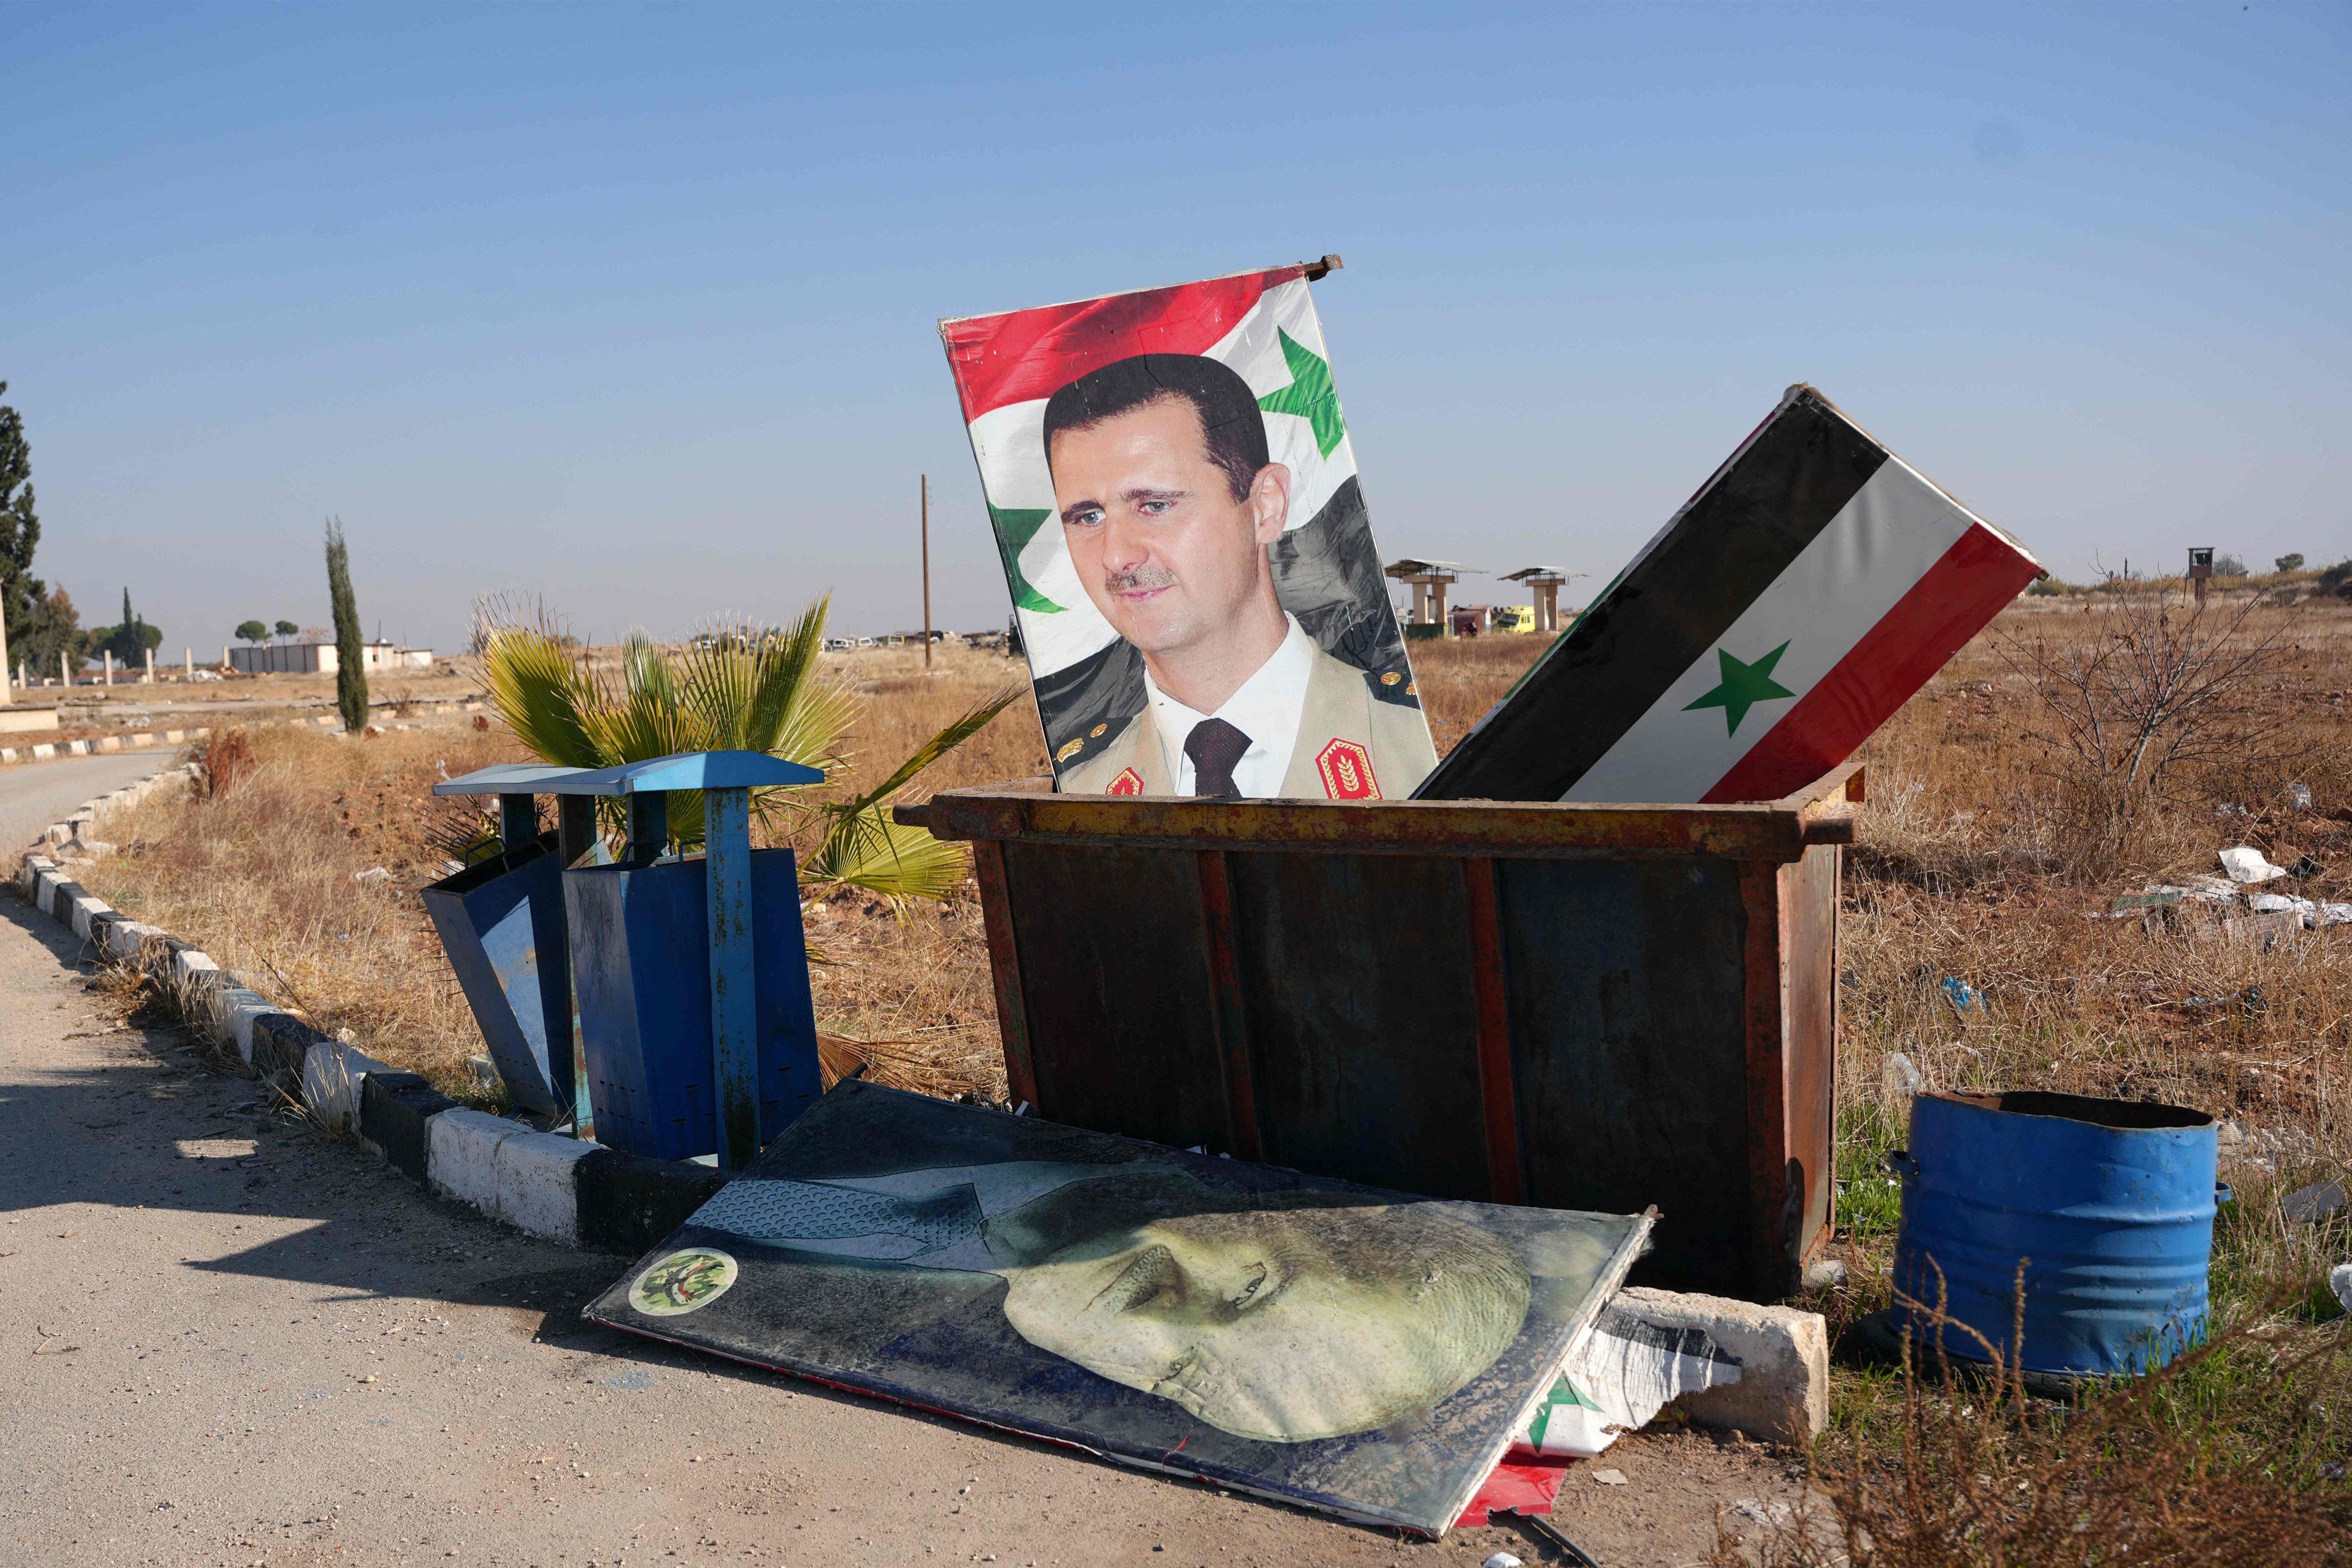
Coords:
pixel 1229 421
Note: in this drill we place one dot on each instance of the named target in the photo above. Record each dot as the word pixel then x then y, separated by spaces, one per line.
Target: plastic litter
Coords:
pixel 2298 795
pixel 1608 1478
pixel 1901 1076
pixel 1502 1560
pixel 2309 1205
pixel 1617 1380
pixel 2339 1280
pixel 371 876
pixel 2244 863
pixel 1964 998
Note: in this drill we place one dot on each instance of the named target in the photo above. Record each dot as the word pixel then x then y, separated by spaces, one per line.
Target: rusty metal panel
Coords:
pixel 1808 905
pixel 1116 987
pixel 1004 969
pixel 1776 830
pixel 1626 983
pixel 1363 1020
pixel 1497 1096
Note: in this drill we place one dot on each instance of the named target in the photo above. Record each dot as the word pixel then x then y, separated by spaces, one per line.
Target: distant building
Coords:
pixel 320 658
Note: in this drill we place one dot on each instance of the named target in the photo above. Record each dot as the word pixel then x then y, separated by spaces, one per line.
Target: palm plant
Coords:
pixel 738 687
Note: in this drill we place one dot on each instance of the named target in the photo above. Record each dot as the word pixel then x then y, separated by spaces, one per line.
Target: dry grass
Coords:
pixel 261 876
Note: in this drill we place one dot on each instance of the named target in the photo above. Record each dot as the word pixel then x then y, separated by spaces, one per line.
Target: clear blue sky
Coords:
pixel 633 306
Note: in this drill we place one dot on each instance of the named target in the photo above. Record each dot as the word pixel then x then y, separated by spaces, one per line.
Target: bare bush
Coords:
pixel 2159 701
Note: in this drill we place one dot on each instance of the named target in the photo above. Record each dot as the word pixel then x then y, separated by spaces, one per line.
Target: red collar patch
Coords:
pixel 1128 781
pixel 1347 770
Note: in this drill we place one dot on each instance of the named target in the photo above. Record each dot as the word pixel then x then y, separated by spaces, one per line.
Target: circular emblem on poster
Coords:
pixel 683 1281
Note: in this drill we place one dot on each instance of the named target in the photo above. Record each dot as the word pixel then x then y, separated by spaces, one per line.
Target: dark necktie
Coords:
pixel 1215 747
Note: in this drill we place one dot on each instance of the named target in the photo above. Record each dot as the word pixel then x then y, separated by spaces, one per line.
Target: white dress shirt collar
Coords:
pixel 1266 709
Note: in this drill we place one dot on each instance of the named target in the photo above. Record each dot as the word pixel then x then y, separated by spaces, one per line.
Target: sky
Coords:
pixel 632 310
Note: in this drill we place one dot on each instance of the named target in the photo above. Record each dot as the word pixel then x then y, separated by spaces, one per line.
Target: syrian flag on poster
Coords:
pixel 1261 324
pixel 1786 612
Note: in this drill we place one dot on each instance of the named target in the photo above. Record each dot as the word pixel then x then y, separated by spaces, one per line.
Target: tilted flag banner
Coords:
pixel 1326 569
pixel 1785 612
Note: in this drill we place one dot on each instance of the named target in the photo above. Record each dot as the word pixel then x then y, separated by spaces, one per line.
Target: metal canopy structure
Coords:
pixel 1547 582
pixel 1430 580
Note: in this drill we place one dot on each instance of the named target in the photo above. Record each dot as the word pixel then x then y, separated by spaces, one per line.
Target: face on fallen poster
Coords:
pixel 1175 499
pixel 1357 1350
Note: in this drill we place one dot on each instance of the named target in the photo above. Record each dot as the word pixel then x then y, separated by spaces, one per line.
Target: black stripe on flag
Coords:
pixel 1668 609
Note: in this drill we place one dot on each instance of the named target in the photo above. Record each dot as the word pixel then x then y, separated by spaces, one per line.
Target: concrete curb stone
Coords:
pixel 1783 1392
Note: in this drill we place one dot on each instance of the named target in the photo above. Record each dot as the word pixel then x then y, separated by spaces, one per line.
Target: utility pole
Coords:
pixel 5 698
pixel 927 571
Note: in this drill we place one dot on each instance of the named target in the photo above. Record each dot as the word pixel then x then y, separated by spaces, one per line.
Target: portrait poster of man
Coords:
pixel 1174 495
pixel 1368 1353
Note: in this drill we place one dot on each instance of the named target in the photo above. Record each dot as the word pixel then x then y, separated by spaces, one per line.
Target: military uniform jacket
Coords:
pixel 1360 738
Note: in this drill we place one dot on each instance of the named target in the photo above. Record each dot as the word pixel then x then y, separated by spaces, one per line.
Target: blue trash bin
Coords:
pixel 2109 1205
pixel 641 952
pixel 501 924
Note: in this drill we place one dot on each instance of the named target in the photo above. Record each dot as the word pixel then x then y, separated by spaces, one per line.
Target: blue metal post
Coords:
pixel 734 1003
pixel 518 819
pixel 648 826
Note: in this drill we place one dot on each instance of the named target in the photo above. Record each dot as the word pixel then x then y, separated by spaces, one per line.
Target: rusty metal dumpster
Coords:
pixel 1572 1006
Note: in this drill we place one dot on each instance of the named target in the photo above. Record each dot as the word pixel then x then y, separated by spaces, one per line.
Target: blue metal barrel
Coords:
pixel 2108 1204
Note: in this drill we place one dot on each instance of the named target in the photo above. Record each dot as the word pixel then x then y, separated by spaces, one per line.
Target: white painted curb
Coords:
pixel 332 1074
pixel 509 1172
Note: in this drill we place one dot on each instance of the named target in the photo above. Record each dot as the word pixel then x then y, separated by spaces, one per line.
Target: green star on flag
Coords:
pixel 1014 528
pixel 1308 395
pixel 1743 686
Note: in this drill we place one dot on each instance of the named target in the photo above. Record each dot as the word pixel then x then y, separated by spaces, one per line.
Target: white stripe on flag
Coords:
pixel 1893 531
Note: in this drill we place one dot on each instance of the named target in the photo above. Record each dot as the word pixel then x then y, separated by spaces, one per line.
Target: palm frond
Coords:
pixel 932 749
pixel 541 692
pixel 866 849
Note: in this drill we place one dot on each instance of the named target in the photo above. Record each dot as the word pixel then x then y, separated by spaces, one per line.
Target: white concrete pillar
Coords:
pixel 108 656
pixel 189 656
pixel 65 671
pixel 150 678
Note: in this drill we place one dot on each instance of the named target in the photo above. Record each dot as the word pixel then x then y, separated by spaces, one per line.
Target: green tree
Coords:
pixel 252 631
pixel 2289 563
pixel 740 688
pixel 129 641
pixel 23 597
pixel 350 653
pixel 287 628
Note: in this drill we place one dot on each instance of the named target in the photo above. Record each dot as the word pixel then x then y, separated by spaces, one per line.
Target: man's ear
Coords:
pixel 1269 502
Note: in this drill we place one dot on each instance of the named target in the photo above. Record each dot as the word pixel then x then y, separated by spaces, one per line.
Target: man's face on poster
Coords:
pixel 1283 1324
pixel 1167 550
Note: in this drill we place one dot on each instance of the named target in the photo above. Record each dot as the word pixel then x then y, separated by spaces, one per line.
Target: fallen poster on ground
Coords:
pixel 1365 1353
pixel 1175 499
pixel 1791 606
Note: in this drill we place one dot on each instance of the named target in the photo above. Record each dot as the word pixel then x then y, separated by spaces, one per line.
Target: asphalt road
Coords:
pixel 34 794
pixel 227 1339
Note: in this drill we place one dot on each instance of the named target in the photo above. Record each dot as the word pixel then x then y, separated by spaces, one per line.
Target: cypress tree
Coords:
pixel 351 679
pixel 23 597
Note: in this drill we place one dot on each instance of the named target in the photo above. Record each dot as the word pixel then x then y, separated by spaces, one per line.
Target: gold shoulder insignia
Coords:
pixel 1072 749
pixel 1389 677
pixel 1414 689
pixel 1096 733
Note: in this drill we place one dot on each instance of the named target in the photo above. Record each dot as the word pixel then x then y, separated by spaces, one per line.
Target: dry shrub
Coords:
pixel 227 757
pixel 2147 701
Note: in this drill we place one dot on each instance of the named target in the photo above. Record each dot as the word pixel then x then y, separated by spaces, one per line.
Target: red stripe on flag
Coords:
pixel 1957 598
pixel 1029 354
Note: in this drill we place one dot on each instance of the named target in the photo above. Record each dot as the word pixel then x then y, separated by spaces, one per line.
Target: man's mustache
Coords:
pixel 1136 578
